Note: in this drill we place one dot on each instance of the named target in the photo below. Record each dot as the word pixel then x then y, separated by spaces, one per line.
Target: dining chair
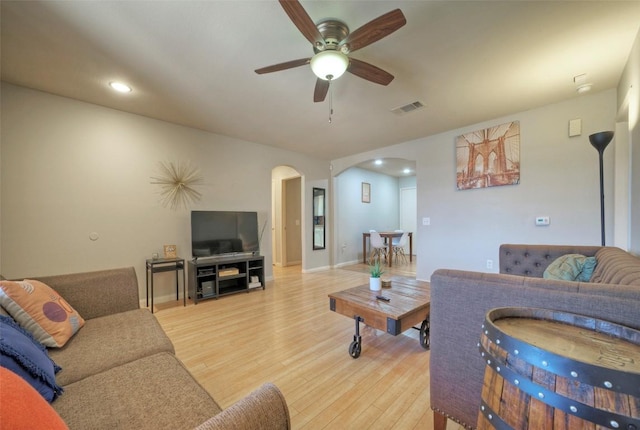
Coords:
pixel 398 249
pixel 395 240
pixel 378 248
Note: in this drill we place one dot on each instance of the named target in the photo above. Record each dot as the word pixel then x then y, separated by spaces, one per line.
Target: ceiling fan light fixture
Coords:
pixel 329 65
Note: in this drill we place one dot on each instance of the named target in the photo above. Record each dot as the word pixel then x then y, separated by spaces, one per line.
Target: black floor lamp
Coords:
pixel 600 141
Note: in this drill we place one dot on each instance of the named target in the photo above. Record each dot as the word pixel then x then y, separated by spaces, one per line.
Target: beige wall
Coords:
pixel 70 169
pixel 559 179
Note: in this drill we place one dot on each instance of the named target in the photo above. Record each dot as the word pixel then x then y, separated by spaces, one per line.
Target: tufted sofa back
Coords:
pixel 532 260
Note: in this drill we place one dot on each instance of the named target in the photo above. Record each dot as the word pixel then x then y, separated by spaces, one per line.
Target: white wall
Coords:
pixel 353 217
pixel 71 168
pixel 629 104
pixel 407 181
pixel 559 178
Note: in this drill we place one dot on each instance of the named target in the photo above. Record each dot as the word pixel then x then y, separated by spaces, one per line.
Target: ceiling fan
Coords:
pixel 332 42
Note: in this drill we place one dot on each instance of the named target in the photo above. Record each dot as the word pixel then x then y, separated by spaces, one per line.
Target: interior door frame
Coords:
pixel 412 214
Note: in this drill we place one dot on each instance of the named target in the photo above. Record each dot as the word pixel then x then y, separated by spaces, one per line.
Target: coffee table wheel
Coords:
pixel 354 349
pixel 424 334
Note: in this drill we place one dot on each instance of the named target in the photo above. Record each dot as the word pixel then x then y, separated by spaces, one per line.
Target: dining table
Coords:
pixel 388 238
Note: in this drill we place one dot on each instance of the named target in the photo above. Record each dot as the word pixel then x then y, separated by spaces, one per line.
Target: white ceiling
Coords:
pixel 193 62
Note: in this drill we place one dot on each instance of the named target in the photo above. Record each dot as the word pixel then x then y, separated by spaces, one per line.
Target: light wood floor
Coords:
pixel 287 335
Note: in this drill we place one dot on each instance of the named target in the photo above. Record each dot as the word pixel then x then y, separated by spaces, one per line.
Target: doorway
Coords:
pixel 286 216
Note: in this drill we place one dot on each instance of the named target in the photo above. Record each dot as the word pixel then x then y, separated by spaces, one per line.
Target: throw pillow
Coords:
pixel 588 266
pixel 21 407
pixel 40 310
pixel 24 356
pixel 571 267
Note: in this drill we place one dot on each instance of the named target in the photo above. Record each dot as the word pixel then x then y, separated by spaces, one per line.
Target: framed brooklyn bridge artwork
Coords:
pixel 488 157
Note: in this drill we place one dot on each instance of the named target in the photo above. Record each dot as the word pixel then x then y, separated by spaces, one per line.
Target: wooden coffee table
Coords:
pixel 408 305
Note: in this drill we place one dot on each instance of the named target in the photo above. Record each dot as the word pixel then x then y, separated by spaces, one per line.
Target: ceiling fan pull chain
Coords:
pixel 330 101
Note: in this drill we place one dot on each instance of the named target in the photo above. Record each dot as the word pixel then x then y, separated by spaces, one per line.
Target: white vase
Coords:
pixel 375 284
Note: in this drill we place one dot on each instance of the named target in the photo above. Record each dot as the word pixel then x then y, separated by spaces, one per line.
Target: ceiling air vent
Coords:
pixel 401 110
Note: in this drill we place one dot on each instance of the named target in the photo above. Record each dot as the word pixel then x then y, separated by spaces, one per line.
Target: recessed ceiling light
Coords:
pixel 377 162
pixel 583 88
pixel 406 171
pixel 120 87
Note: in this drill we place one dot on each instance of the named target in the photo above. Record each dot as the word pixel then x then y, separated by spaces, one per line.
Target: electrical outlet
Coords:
pixel 426 221
pixel 489 264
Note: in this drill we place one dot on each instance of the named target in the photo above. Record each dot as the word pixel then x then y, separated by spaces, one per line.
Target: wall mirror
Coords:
pixel 318 218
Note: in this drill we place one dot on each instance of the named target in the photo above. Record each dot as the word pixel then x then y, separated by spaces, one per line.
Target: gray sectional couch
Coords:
pixel 120 371
pixel 461 299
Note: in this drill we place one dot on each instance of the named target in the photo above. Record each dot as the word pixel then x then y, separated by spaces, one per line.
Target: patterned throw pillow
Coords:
pixel 41 311
pixel 571 267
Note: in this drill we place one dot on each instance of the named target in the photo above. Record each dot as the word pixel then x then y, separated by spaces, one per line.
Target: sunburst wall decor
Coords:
pixel 176 184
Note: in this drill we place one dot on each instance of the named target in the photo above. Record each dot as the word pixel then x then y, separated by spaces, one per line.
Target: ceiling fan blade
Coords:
pixel 303 21
pixel 369 72
pixel 283 66
pixel 322 87
pixel 375 30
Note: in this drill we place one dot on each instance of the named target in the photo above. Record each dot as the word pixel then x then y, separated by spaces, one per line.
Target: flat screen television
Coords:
pixel 219 233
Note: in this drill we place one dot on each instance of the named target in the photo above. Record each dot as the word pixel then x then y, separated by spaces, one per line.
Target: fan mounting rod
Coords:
pixel 333 32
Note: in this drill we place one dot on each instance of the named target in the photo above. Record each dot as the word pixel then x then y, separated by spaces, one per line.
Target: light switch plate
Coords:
pixel 575 127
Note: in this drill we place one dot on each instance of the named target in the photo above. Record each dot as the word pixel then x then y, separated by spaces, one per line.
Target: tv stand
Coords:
pixel 218 276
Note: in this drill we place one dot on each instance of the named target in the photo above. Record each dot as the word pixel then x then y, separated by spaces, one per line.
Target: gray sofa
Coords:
pixel 461 299
pixel 120 371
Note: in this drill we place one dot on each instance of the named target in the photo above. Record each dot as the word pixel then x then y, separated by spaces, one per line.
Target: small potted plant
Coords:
pixel 375 283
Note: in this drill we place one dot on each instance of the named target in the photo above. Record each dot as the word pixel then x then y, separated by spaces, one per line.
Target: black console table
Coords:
pixel 159 265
